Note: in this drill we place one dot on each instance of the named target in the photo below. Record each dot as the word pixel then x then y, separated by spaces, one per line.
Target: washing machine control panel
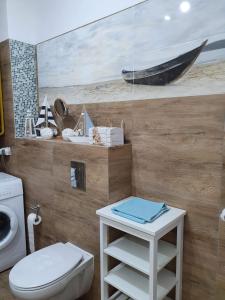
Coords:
pixel 10 186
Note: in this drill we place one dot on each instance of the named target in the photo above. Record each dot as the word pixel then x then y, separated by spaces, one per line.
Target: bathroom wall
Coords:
pixel 68 214
pixel 177 156
pixel 177 148
pixel 5 67
pixel 74 66
pixel 34 21
pixel 24 82
pixel 3 21
pixel 221 242
pixel 18 68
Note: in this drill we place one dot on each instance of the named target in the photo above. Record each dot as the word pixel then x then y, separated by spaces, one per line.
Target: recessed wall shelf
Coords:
pixel 143 255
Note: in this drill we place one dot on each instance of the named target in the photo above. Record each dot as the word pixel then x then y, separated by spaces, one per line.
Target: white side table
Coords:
pixel 141 275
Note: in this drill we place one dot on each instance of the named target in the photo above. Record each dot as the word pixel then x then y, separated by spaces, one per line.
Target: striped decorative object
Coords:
pixel 45 115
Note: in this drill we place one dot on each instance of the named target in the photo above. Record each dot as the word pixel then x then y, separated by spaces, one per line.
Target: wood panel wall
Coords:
pixel 220 288
pixel 5 69
pixel 68 214
pixel 177 156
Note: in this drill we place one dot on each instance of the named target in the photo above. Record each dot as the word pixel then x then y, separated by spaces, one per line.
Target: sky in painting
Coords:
pixel 140 37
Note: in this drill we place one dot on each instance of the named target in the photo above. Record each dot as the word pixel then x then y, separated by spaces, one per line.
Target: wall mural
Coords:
pixel 155 49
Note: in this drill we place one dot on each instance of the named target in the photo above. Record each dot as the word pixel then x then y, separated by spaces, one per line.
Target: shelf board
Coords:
pixel 119 296
pixel 135 253
pixel 136 285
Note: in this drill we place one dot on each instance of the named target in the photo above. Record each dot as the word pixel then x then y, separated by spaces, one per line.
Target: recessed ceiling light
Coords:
pixel 185 6
pixel 167 17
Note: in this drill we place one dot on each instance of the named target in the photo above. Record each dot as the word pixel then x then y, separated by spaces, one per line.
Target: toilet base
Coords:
pixel 77 287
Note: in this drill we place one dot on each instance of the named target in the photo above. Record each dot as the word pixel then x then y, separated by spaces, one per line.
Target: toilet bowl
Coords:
pixel 59 272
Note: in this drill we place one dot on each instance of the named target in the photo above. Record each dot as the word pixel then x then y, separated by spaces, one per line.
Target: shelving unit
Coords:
pixel 143 255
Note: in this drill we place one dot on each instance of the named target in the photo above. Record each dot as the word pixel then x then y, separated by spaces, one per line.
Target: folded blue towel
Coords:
pixel 140 210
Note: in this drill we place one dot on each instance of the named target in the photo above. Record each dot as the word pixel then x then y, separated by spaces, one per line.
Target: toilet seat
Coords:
pixel 61 281
pixel 43 292
pixel 45 268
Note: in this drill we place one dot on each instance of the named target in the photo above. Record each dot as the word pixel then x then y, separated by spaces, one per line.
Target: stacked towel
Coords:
pixel 109 136
pixel 140 210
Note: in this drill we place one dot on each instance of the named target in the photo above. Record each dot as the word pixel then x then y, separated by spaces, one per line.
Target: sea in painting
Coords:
pixel 85 65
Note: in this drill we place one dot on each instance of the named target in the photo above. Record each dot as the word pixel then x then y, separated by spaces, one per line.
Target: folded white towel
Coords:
pixel 109 136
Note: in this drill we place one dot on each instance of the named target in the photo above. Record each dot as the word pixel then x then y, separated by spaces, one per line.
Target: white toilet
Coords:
pixel 59 272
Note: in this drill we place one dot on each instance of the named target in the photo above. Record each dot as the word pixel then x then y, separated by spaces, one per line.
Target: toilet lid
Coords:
pixel 45 266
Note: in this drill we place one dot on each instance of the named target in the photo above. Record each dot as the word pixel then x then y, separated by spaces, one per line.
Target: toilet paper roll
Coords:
pixel 31 222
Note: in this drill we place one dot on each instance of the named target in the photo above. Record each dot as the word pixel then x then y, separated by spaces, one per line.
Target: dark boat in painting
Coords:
pixel 166 72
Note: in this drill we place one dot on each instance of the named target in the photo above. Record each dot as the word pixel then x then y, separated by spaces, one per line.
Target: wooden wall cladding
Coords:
pixel 177 156
pixel 220 288
pixel 5 69
pixel 68 214
pixel 177 147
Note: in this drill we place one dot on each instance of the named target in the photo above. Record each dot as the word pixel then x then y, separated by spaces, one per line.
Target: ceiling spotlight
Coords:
pixel 167 17
pixel 185 6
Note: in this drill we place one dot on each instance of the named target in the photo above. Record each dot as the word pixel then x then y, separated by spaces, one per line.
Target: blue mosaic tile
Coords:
pixel 24 81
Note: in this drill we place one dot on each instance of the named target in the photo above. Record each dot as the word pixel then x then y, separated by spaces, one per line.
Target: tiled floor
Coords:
pixel 4 287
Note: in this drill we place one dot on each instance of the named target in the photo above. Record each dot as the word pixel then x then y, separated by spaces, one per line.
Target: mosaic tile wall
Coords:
pixel 24 81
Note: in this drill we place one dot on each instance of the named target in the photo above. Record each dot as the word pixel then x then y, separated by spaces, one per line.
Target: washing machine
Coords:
pixel 12 225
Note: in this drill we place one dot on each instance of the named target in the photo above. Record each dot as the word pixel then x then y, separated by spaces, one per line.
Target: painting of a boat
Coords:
pixel 154 38
pixel 164 73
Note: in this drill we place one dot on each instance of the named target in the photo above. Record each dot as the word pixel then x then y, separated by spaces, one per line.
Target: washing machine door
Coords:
pixel 8 226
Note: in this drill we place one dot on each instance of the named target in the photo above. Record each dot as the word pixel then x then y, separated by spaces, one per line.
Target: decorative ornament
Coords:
pixel 45 116
pixel 46 133
pixel 96 137
pixel 66 133
pixel 29 125
pixel 83 124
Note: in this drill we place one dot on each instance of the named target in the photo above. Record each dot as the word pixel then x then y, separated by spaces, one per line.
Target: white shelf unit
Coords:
pixel 143 254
